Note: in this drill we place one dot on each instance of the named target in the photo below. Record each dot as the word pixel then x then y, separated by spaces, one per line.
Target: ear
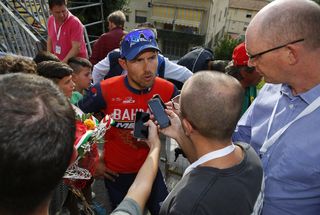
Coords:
pixel 188 129
pixel 292 54
pixel 123 63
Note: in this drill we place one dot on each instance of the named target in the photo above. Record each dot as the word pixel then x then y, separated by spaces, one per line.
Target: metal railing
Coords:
pixel 33 14
pixel 15 37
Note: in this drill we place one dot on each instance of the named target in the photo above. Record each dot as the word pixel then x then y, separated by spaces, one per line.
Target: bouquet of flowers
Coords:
pixel 89 132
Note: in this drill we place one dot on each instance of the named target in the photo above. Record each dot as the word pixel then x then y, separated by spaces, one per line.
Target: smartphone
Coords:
pixel 159 113
pixel 140 130
pixel 157 96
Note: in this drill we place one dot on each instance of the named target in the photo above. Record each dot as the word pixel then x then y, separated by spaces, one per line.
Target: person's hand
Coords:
pixel 171 107
pixel 153 137
pixel 175 129
pixel 102 171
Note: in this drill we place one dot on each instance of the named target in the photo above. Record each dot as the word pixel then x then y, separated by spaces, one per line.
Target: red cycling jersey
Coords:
pixel 122 152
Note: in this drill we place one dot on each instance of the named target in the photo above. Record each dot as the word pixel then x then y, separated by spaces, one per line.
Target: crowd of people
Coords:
pixel 251 150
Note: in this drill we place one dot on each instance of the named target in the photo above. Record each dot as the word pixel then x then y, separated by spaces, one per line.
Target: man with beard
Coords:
pixel 121 97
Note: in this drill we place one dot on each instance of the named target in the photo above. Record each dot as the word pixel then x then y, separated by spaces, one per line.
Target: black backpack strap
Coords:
pixel 115 68
pixel 161 66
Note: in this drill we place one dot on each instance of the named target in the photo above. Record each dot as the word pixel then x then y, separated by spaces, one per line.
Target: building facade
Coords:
pixel 181 24
pixel 240 14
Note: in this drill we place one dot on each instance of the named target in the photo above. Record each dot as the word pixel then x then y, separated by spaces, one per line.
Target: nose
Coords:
pixel 147 65
pixel 251 62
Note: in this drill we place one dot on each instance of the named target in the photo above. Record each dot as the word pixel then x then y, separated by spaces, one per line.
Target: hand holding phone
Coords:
pixel 140 130
pixel 159 112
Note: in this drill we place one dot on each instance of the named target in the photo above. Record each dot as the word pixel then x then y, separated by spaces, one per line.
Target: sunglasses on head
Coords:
pixel 142 35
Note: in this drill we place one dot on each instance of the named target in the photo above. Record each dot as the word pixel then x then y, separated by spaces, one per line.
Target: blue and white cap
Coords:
pixel 137 41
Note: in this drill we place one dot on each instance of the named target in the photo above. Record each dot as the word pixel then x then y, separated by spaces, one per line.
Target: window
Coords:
pixel 174 49
pixel 141 16
pixel 248 15
pixel 167 26
pixel 127 17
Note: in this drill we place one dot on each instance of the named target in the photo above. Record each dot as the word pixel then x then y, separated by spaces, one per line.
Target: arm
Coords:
pixel 74 51
pixel 142 185
pixel 100 70
pixel 176 72
pixel 93 101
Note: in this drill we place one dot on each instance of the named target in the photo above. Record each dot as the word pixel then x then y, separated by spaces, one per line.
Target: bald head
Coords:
pixel 211 102
pixel 287 20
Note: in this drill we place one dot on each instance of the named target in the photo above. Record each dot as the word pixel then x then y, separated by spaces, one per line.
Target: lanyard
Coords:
pixel 210 156
pixel 59 30
pixel 269 142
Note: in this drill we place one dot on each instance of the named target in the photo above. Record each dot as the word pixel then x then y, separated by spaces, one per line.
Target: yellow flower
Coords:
pixel 89 124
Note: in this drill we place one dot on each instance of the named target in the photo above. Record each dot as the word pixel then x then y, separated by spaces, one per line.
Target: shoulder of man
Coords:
pixel 115 68
pixel 161 65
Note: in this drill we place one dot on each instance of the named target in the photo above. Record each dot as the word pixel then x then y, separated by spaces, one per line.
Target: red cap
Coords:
pixel 239 55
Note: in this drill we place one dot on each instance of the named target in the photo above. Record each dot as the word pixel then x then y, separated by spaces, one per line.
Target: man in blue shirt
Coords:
pixel 282 124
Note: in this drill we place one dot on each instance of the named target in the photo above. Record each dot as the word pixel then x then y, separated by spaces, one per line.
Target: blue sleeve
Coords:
pixel 242 132
pixel 93 101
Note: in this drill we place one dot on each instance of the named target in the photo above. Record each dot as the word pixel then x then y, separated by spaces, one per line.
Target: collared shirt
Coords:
pixel 71 30
pixel 291 164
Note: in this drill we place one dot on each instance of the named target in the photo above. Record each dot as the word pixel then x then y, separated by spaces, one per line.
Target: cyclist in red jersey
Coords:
pixel 121 97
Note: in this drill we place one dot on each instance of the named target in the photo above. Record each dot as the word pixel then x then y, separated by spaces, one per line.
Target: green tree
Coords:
pixel 93 14
pixel 224 48
pixel 317 1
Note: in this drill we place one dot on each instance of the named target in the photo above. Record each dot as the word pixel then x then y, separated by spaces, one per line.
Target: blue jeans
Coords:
pixel 118 189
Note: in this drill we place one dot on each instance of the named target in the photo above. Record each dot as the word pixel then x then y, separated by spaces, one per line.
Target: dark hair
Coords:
pixel 218 65
pixel 54 70
pixel 53 3
pixel 15 63
pixel 45 56
pixel 77 62
pixel 36 141
pixel 117 17
pixel 211 102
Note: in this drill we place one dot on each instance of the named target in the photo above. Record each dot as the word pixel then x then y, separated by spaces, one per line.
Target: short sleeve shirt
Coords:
pixel 71 30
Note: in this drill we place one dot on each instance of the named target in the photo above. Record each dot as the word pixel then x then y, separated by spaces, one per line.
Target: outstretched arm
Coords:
pixel 140 189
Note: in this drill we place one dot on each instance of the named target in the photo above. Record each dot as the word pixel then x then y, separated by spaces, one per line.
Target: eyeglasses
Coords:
pixel 176 102
pixel 252 57
pixel 142 35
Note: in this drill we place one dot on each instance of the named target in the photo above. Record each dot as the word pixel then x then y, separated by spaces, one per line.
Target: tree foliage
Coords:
pixel 93 14
pixel 317 1
pixel 224 48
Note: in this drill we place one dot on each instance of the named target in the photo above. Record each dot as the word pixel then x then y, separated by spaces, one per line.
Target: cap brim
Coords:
pixel 134 52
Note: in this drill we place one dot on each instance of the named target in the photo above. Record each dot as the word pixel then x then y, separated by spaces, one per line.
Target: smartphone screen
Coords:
pixel 141 131
pixel 161 101
pixel 159 113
